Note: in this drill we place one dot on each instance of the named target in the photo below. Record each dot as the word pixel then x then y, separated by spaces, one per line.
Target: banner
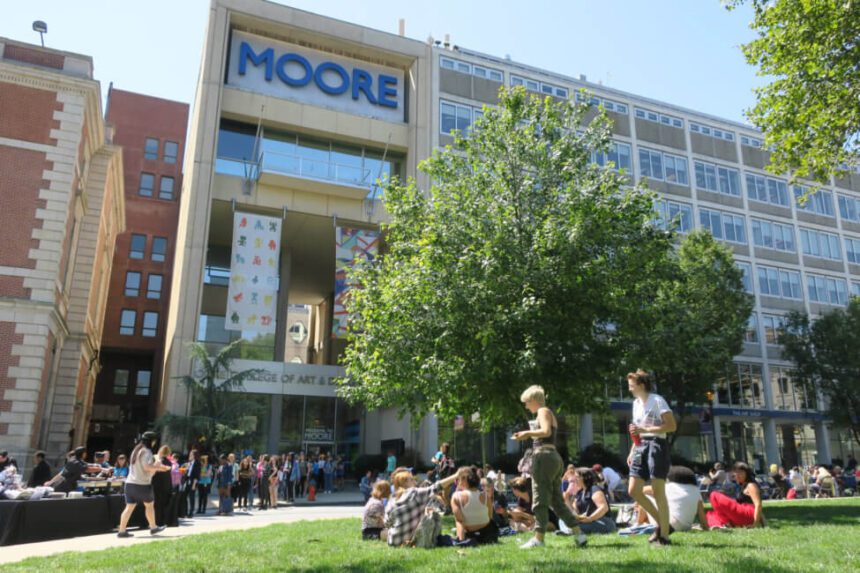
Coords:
pixel 350 245
pixel 252 297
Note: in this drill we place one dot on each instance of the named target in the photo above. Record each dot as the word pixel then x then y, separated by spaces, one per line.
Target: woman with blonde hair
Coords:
pixel 162 490
pixel 547 468
pixel 405 509
pixel 273 482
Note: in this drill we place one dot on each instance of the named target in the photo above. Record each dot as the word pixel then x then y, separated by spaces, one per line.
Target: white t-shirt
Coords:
pixel 650 413
pixel 683 502
pixel 612 477
pixel 136 473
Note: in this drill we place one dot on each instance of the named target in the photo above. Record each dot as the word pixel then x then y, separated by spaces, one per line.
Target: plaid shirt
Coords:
pixel 403 514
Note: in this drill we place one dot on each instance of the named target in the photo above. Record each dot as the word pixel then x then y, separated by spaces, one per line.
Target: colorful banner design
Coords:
pixel 350 245
pixel 252 297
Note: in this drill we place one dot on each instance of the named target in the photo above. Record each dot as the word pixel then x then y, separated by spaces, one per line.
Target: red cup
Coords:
pixel 633 435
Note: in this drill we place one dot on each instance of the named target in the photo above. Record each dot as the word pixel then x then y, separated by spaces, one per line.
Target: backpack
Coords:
pixel 429 528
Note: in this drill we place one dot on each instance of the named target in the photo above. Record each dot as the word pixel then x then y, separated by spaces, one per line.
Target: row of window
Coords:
pixel 472 69
pixel 122 382
pixel 752 142
pixel 133 282
pixel 456 116
pixel 152 146
pixel 147 186
pixel 659 117
pixel 618 155
pixel 608 104
pixel 128 323
pixel 663 166
pixel 712 131
pixel 137 248
pixel 541 87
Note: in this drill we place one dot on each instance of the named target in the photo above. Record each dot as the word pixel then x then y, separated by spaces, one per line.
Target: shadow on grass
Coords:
pixel 808 514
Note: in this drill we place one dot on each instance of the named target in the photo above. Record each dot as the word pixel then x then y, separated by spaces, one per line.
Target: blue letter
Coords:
pixel 362 82
pixel 247 53
pixel 344 78
pixel 387 87
pixel 282 73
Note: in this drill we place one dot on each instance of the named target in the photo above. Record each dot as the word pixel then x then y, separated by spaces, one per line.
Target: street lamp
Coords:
pixel 42 28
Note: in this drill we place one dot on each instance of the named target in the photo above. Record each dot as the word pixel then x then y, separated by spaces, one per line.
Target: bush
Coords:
pixel 364 462
pixel 507 463
pixel 598 454
pixel 697 467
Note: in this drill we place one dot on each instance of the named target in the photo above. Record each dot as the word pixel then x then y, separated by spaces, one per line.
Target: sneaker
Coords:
pixel 124 534
pixel 157 530
pixel 533 542
pixel 581 540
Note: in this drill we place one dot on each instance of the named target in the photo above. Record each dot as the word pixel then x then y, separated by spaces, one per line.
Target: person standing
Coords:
pixel 162 492
pixel 443 464
pixel 547 467
pixel 273 482
pixel 192 478
pixel 138 486
pixel 328 474
pixel 303 475
pixel 264 472
pixel 649 453
pixel 224 483
pixel 41 471
pixel 290 476
pixel 391 464
pixel 246 476
pixel 204 484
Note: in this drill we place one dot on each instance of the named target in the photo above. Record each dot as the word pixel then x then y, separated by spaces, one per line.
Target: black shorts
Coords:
pixel 651 459
pixel 136 493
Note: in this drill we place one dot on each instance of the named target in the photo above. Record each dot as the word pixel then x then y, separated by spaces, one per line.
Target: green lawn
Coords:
pixel 818 535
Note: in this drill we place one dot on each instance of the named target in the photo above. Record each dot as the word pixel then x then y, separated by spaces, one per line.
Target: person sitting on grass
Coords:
pixel 745 510
pixel 473 509
pixel 685 501
pixel 591 506
pixel 522 517
pixel 373 518
pixel 403 512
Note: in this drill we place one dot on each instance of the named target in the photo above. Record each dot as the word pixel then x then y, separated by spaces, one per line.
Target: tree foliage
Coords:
pixel 216 417
pixel 508 271
pixel 825 356
pixel 693 322
pixel 810 111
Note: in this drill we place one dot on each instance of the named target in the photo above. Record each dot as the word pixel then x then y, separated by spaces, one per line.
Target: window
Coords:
pixel 779 283
pixel 773 235
pixel 852 250
pixel 150 324
pixel 132 283
pixel 127 320
pixel 159 249
pixel 712 131
pixel 650 163
pixel 773 326
pixel 150 149
pixel 826 290
pixel 752 142
pixel 767 190
pixel 531 85
pixel 746 279
pixel 819 244
pixel 820 202
pixel 724 226
pixel 618 154
pixel 147 184
pixel 659 118
pixel 144 381
pixel 717 179
pixel 466 68
pixel 855 289
pixel 607 104
pixel 751 334
pixel 454 117
pixel 165 188
pixel 138 247
pixel 153 286
pixel 849 208
pixel 120 382
pixel 171 151
pixel 675 169
pixel 671 213
pixel 447 63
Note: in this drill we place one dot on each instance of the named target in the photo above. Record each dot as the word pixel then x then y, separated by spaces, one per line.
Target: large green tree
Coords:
pixel 810 110
pixel 692 323
pixel 509 270
pixel 826 356
pixel 215 418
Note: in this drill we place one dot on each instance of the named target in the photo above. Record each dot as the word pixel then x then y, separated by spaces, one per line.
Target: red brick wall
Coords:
pixel 28 113
pixel 20 181
pixel 31 56
pixel 13 287
pixel 7 339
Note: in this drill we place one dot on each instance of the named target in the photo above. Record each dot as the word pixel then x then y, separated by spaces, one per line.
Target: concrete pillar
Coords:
pixel 281 325
pixel 586 431
pixel 822 442
pixel 275 412
pixel 716 440
pixel 771 447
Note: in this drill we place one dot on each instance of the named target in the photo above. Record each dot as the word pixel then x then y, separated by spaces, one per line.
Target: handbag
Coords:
pixel 525 464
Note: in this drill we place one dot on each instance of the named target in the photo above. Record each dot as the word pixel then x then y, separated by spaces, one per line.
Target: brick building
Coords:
pixel 61 209
pixel 151 132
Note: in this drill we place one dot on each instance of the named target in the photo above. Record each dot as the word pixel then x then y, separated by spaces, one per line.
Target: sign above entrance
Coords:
pixel 294 72
pixel 289 379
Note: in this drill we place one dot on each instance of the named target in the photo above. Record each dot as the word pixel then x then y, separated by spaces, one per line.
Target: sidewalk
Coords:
pixel 330 506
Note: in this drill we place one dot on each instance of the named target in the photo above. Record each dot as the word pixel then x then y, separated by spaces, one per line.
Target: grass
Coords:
pixel 808 536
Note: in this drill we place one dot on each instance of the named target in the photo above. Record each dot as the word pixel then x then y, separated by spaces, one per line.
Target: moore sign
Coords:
pixel 318 78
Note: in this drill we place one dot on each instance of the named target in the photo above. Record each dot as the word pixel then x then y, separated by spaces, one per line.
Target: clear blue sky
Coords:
pixel 683 52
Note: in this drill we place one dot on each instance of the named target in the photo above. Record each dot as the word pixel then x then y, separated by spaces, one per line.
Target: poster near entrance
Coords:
pixel 252 294
pixel 351 245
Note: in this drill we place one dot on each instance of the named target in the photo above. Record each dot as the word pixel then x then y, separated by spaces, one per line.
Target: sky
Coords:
pixel 683 52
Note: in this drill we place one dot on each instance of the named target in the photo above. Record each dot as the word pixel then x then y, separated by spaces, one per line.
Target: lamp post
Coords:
pixel 710 396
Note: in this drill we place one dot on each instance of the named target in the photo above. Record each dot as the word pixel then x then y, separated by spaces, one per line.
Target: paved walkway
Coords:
pixel 329 506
